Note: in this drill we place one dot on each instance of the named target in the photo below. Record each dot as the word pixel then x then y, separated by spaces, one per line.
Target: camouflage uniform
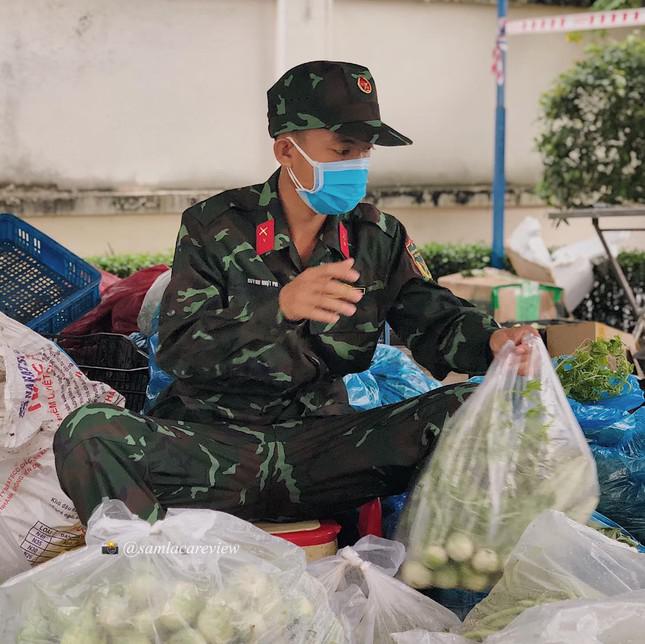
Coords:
pixel 257 422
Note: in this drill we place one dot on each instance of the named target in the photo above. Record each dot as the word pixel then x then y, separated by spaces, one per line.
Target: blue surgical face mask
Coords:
pixel 338 185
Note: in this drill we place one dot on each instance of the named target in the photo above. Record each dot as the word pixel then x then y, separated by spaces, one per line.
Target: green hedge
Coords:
pixel 606 303
pixel 125 265
pixel 442 259
pixel 445 259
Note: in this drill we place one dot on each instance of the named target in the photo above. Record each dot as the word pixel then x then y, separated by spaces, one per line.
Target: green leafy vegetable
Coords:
pixel 618 535
pixel 597 368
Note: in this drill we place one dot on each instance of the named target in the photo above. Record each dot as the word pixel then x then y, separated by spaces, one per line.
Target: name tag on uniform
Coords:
pixel 265 283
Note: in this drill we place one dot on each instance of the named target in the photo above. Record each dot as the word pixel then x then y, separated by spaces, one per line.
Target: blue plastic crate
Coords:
pixel 42 284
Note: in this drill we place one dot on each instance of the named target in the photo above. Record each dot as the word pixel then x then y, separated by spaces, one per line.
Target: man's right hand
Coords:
pixel 321 293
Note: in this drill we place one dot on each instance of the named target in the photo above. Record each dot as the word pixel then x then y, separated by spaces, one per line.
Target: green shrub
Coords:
pixel 606 303
pixel 125 265
pixel 594 129
pixel 445 259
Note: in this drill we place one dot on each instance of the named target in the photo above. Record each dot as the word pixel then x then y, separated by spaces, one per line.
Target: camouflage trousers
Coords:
pixel 303 469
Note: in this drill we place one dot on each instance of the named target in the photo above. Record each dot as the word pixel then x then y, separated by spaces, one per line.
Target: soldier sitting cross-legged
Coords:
pixel 278 290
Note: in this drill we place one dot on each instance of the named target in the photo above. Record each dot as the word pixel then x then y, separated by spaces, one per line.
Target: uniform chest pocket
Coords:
pixel 348 345
pixel 366 321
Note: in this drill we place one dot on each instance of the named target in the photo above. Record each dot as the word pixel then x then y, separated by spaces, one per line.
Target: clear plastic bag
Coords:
pixel 614 531
pixel 513 450
pixel 198 577
pixel 418 636
pixel 387 605
pixel 616 620
pixel 556 559
pixel 12 559
pixel 151 303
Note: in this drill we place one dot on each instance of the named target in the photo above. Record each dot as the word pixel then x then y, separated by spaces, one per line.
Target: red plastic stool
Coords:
pixel 370 518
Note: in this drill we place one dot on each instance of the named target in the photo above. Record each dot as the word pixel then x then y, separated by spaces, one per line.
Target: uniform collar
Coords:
pixel 333 237
pixel 262 199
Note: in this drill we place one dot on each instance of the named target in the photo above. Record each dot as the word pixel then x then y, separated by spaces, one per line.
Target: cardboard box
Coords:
pixel 575 277
pixel 479 286
pixel 566 338
pixel 478 289
pixel 529 270
pixel 515 302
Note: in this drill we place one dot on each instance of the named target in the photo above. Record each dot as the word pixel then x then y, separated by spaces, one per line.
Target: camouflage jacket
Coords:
pixel 233 354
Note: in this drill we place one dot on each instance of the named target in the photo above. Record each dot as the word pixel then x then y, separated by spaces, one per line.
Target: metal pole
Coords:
pixel 499 178
pixel 281 38
pixel 329 29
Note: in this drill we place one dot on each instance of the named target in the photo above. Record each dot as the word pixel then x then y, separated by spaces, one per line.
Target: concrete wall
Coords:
pixel 136 233
pixel 135 96
pixel 169 93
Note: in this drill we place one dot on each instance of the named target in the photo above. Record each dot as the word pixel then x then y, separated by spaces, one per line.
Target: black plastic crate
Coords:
pixel 110 358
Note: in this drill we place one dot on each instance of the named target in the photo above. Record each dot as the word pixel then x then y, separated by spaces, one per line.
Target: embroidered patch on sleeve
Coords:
pixel 418 260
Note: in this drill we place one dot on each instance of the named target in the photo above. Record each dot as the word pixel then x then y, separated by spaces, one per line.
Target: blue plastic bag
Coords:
pixel 391 508
pixel 391 378
pixel 609 410
pixel 362 390
pixel 159 379
pixel 611 435
pixel 398 377
pixel 621 475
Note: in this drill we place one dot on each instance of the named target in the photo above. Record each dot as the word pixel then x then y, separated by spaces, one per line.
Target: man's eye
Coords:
pixel 343 152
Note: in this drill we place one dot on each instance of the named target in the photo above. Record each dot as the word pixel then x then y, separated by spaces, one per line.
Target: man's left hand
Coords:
pixel 516 335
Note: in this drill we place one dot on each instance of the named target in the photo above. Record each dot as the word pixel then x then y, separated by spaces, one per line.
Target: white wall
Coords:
pixel 171 93
pixel 123 92
pixel 432 63
pixel 155 232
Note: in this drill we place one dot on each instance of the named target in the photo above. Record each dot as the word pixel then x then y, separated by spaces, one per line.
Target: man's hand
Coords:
pixel 322 293
pixel 515 335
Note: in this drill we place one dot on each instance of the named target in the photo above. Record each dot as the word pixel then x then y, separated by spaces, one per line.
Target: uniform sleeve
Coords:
pixel 443 332
pixel 204 332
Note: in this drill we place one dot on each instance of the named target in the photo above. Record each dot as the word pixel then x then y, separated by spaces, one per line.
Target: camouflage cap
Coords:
pixel 337 96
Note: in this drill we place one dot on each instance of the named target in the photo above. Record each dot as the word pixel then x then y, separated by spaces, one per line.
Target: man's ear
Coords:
pixel 283 150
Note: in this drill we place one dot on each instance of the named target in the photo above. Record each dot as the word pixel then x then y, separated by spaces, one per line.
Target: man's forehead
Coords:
pixel 349 140
pixel 327 137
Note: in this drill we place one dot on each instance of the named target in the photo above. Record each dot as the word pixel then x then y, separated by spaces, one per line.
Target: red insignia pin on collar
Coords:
pixel 264 236
pixel 343 239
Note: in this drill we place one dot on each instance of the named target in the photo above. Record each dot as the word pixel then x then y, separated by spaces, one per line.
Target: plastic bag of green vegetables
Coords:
pixel 197 577
pixel 613 620
pixel 556 559
pixel 369 600
pixel 513 450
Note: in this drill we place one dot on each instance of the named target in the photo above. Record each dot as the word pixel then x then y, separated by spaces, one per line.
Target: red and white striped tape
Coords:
pixel 577 22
